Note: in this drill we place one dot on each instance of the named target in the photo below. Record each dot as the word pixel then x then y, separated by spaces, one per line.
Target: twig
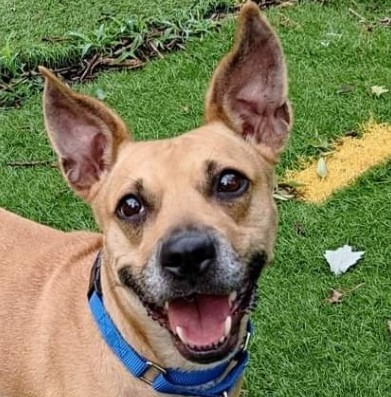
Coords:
pixel 97 62
pixel 35 163
pixel 88 67
pixel 356 14
pixel 348 291
pixel 127 63
pixel 159 54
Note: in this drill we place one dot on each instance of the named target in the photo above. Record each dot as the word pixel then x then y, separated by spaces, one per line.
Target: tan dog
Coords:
pixel 187 225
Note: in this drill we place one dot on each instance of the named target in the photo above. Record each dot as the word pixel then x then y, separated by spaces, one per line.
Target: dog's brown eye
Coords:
pixel 130 208
pixel 231 184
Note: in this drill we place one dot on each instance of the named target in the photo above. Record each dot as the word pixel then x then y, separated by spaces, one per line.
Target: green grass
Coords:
pixel 26 26
pixel 27 22
pixel 138 37
pixel 303 346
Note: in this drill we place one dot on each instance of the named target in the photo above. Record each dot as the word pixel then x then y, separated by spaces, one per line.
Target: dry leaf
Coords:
pixel 386 21
pixel 335 296
pixel 299 228
pixel 285 191
pixel 345 89
pixel 283 196
pixel 352 133
pixel 288 3
pixel 321 168
pixel 378 90
pixel 100 94
pixel 342 259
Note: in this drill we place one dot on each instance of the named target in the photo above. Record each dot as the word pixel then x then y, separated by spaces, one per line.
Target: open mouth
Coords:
pixel 205 328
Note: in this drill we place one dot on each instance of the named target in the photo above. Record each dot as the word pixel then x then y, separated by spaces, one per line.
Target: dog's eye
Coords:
pixel 130 208
pixel 231 184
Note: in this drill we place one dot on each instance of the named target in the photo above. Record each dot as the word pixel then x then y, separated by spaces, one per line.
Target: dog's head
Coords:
pixel 188 222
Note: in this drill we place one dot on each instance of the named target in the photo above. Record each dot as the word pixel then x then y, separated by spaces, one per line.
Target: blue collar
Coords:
pixel 213 382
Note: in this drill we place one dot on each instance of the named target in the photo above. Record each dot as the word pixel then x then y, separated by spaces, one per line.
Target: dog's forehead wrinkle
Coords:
pixel 196 146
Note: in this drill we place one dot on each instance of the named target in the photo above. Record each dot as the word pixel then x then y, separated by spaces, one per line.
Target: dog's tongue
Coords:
pixel 201 320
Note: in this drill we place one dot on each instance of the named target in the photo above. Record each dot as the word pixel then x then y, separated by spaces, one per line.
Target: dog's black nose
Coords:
pixel 188 254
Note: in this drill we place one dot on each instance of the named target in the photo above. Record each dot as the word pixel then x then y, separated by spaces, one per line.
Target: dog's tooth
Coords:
pixel 166 304
pixel 232 298
pixel 227 325
pixel 181 333
pixel 222 339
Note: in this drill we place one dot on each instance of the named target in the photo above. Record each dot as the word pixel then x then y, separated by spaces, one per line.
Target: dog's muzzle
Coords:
pixel 199 290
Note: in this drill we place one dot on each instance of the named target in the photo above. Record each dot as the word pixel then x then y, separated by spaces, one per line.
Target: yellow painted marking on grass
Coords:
pixel 352 157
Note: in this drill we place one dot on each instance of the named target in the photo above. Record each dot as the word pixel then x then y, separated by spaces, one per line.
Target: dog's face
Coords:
pixel 189 222
pixel 185 230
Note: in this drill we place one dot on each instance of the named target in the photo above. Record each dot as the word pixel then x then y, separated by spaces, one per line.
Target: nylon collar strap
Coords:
pixel 213 382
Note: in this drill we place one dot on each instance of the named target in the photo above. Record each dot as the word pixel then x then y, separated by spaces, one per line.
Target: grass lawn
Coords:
pixel 27 22
pixel 303 346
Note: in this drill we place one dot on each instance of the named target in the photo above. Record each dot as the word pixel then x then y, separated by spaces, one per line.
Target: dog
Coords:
pixel 187 225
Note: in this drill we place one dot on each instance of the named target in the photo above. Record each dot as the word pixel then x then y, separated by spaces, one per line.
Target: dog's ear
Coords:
pixel 248 90
pixel 85 134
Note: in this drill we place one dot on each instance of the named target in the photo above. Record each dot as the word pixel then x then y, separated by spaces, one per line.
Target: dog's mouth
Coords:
pixel 205 328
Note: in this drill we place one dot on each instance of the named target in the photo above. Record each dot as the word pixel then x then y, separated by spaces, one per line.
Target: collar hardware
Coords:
pixel 152 367
pixel 244 347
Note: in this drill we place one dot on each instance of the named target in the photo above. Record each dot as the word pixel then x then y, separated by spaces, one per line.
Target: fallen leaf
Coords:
pixel 333 34
pixel 287 22
pixel 342 259
pixel 367 27
pixel 378 90
pixel 288 3
pixel 352 133
pixel 282 197
pixel 100 94
pixel 345 89
pixel 335 296
pixel 285 191
pixel 386 21
pixel 321 168
pixel 320 143
pixel 299 228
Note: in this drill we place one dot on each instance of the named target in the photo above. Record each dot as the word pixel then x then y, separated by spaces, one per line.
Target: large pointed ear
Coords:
pixel 85 134
pixel 248 90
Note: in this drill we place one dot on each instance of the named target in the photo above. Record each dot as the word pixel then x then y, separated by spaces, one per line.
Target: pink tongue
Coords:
pixel 202 319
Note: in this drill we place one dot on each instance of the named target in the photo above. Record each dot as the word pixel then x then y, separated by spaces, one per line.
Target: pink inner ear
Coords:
pixel 83 161
pixel 263 123
pixel 81 146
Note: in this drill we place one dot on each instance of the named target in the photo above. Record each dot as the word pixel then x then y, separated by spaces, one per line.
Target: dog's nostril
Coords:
pixel 188 254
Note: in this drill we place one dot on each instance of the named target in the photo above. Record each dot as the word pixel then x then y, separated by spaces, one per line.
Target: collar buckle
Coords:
pixel 246 341
pixel 157 369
